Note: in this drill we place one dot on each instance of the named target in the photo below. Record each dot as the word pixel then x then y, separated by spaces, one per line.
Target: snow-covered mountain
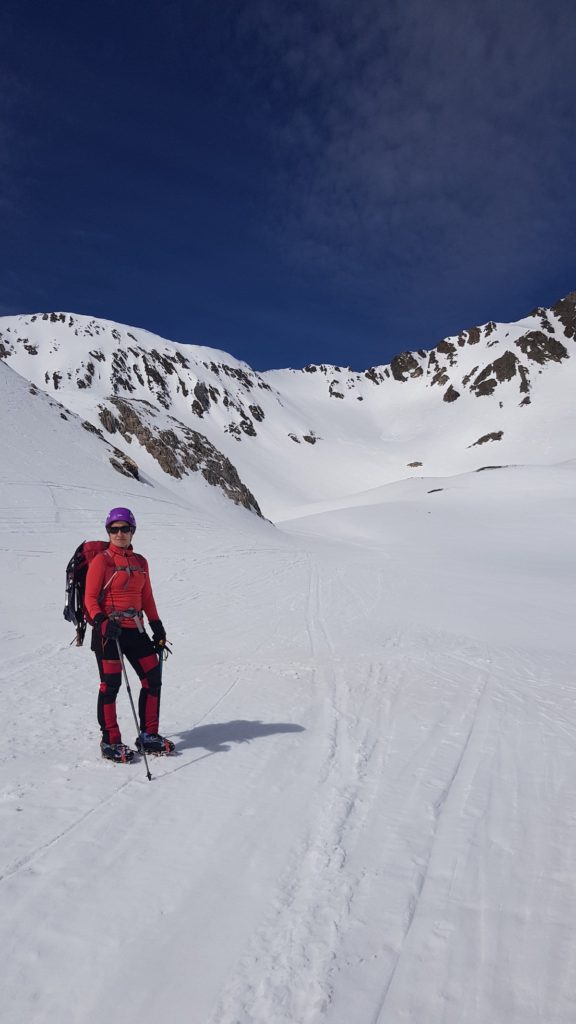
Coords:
pixel 368 816
pixel 495 394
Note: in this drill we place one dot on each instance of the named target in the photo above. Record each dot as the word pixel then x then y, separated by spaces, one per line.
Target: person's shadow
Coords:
pixel 217 737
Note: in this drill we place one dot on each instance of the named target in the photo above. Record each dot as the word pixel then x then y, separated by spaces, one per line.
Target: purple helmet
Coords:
pixel 120 515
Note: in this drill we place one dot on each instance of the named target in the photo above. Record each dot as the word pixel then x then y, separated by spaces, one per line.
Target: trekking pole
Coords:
pixel 148 775
pixel 163 649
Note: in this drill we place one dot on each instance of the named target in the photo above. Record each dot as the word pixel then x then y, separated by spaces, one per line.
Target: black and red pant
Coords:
pixel 138 650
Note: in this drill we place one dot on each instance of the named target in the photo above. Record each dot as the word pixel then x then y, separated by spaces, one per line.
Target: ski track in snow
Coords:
pixel 417 784
pixel 416 787
pixel 369 819
pixel 428 822
pixel 314 902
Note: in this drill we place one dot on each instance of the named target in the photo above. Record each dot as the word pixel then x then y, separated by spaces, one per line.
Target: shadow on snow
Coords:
pixel 218 737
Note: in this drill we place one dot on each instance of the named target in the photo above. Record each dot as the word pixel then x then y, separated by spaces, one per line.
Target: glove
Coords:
pixel 112 631
pixel 108 627
pixel 158 634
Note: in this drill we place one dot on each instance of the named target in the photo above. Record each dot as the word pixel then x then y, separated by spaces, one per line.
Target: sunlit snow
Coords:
pixel 369 818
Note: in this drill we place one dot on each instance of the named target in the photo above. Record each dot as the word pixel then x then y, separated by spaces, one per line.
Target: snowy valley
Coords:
pixel 498 394
pixel 368 580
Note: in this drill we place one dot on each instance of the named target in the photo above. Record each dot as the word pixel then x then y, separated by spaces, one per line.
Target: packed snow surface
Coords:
pixel 369 818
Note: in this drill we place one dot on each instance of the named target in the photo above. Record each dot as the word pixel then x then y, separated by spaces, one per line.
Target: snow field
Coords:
pixel 371 435
pixel 369 818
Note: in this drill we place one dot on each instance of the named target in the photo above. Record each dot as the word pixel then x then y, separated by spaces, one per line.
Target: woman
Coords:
pixel 118 591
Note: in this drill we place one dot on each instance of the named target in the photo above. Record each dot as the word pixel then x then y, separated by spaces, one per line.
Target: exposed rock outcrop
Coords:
pixel 502 369
pixel 565 310
pixel 450 395
pixel 495 435
pixel 542 348
pixel 177 449
pixel 405 365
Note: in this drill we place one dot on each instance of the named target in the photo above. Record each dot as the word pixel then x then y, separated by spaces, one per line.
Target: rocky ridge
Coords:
pixel 166 374
pixel 198 410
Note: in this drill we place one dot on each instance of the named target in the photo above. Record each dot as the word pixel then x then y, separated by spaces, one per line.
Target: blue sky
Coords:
pixel 324 181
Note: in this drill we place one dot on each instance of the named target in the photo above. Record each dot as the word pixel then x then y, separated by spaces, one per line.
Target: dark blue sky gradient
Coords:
pixel 325 181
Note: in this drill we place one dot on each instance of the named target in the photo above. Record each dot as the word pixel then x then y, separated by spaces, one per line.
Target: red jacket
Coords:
pixel 121 577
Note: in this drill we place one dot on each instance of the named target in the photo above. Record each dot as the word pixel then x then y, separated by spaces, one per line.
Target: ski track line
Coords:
pixel 29 858
pixel 218 702
pixel 313 903
pixel 438 807
pixel 300 940
pixel 35 854
pixel 321 644
pixel 210 753
pixel 50 651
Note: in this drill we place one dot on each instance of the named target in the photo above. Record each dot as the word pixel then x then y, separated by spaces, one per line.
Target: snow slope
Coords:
pixel 369 817
pixel 496 394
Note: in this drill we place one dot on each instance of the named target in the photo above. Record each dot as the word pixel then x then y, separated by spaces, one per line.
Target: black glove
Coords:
pixel 158 634
pixel 112 631
pixel 108 627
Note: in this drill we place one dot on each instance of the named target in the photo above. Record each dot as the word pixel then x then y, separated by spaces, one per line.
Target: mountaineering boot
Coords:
pixel 117 752
pixel 153 743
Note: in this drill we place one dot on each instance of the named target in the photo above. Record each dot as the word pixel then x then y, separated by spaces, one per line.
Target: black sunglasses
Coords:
pixel 119 529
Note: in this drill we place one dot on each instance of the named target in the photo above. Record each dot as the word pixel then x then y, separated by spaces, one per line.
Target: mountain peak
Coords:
pixel 424 412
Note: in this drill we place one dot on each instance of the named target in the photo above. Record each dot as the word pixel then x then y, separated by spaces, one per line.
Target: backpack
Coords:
pixel 76 570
